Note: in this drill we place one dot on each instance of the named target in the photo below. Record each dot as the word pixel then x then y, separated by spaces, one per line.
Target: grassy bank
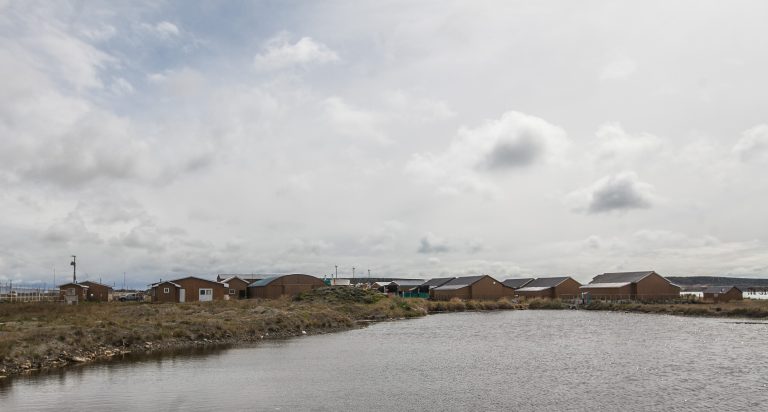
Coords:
pixel 755 309
pixel 43 336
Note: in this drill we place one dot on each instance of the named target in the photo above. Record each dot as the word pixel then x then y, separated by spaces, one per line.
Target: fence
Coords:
pixel 10 293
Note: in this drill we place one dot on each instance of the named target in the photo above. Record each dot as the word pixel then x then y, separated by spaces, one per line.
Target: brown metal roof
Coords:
pixel 517 283
pixel 720 289
pixel 621 277
pixel 547 282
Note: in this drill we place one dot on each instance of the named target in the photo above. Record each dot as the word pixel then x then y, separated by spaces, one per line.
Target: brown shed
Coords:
pixel 98 292
pixel 73 292
pixel 290 285
pixel 237 287
pixel 647 285
pixel 189 289
pixel 562 287
pixel 481 287
pixel 722 294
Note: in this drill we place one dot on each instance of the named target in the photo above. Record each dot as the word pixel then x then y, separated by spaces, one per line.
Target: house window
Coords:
pixel 71 292
pixel 231 291
pixel 166 290
pixel 204 292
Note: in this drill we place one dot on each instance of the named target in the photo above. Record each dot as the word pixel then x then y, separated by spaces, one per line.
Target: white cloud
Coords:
pixel 514 141
pixel 616 146
pixel 352 121
pixel 280 53
pixel 753 144
pixel 614 193
pixel 423 109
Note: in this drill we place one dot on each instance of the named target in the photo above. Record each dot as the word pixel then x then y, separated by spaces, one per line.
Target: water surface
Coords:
pixel 512 360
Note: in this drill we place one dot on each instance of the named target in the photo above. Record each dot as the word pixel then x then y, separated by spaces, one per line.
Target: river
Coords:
pixel 508 360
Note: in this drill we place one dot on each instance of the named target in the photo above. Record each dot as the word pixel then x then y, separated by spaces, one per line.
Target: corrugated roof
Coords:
pixel 621 277
pixel 458 283
pixel 607 285
pixel 97 283
pixel 408 282
pixel 267 281
pixel 546 282
pixel 433 283
pixel 517 283
pixel 264 282
pixel 165 281
pixel 382 283
pixel 720 289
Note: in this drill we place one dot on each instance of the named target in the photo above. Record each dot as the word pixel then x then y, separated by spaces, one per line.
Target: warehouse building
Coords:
pixel 647 285
pixel 481 287
pixel 561 287
pixel 433 283
pixel 517 283
pixel 283 285
pixel 722 294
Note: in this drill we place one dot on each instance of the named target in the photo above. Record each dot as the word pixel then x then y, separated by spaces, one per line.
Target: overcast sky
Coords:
pixel 410 138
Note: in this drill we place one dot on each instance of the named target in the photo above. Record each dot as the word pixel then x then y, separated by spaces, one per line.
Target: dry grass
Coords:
pixel 741 309
pixel 34 336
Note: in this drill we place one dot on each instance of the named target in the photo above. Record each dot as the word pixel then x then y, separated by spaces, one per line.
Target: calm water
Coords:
pixel 515 360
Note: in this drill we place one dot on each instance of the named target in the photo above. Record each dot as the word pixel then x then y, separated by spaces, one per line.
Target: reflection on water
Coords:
pixel 515 360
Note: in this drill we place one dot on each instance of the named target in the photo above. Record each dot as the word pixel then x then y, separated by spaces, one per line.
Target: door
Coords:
pixel 182 295
pixel 206 295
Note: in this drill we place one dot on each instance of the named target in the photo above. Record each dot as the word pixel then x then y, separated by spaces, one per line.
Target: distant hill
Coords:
pixel 696 282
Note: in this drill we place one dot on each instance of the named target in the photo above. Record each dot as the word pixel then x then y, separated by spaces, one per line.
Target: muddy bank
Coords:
pixel 37 337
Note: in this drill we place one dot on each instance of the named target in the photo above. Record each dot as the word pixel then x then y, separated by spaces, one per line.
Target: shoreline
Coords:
pixel 48 337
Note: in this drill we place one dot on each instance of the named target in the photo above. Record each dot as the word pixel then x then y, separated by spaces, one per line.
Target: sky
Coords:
pixel 412 139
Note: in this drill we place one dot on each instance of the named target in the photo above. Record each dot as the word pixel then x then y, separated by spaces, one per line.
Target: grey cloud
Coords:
pixel 619 192
pixel 430 244
pixel 523 151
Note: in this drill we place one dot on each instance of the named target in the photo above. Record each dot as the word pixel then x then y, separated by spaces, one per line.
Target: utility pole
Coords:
pixel 353 272
pixel 74 269
pixel 54 277
pixel 369 273
pixel 123 281
pixel 337 271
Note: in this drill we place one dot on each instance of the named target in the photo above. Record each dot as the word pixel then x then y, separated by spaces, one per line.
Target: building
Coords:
pixel 401 286
pixel 481 287
pixel 517 283
pixel 237 287
pixel 433 283
pixel 283 285
pixel 647 285
pixel 381 285
pixel 73 292
pixel 561 287
pixel 189 289
pixel 250 278
pixel 98 292
pixel 722 294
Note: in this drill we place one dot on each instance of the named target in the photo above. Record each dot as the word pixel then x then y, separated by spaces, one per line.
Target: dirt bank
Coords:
pixel 45 336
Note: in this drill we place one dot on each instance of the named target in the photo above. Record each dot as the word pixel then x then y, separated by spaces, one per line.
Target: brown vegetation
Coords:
pixel 738 309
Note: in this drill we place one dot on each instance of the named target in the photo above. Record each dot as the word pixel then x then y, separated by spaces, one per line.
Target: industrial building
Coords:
pixel 517 283
pixel 481 287
pixel 647 285
pixel 283 285
pixel 722 294
pixel 562 287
